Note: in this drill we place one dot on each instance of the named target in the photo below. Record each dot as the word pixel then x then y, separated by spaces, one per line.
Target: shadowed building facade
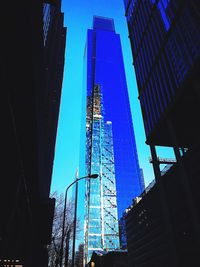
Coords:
pixel 32 79
pixel 165 41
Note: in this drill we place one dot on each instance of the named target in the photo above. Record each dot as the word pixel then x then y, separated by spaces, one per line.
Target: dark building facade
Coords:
pixel 54 50
pixel 31 81
pixel 116 258
pixel 165 41
pixel 147 238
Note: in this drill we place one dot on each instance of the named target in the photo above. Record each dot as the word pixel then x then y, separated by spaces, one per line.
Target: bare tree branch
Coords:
pixel 54 247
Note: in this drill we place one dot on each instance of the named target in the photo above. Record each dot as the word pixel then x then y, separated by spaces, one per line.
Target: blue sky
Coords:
pixel 78 17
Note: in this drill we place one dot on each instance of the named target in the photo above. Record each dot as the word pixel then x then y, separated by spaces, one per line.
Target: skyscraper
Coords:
pixel 165 41
pixel 54 38
pixel 101 222
pixel 165 37
pixel 111 149
pixel 32 80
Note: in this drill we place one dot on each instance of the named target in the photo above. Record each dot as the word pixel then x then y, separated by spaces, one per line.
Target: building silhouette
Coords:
pixel 117 258
pixel 79 256
pixel 111 149
pixel 31 80
pixel 165 41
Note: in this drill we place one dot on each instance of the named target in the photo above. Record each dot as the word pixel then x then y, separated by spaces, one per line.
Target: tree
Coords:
pixel 55 246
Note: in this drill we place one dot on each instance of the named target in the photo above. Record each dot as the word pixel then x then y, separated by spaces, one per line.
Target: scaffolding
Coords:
pixel 101 223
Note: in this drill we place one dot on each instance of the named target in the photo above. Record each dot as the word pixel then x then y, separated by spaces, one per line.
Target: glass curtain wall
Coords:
pixel 101 223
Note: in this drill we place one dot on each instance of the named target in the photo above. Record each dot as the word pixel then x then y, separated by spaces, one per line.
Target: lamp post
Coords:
pixel 94 176
pixel 74 222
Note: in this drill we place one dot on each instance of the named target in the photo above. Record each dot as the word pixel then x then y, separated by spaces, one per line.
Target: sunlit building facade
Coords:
pixel 111 149
pixel 101 220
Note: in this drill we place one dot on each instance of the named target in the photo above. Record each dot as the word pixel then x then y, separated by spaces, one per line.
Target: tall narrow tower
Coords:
pixel 101 222
pixel 111 149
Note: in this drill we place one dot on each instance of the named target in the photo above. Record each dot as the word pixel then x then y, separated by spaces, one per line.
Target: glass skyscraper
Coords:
pixel 101 222
pixel 110 142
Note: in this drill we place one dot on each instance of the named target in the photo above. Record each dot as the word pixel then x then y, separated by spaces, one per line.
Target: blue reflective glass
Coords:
pixel 164 16
pixel 106 24
pixel 109 72
pixel 110 138
pixel 46 20
pixel 165 3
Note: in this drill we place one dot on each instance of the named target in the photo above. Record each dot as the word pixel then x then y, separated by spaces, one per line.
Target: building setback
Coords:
pixel 165 41
pixel 32 81
pixel 115 158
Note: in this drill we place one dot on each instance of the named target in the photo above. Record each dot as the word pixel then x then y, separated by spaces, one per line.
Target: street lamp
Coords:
pixel 93 176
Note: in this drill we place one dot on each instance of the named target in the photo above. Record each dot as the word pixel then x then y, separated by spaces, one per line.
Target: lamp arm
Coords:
pixel 76 181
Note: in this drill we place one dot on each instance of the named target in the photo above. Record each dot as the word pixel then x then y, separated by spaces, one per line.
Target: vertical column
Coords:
pixel 185 183
pixel 164 207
